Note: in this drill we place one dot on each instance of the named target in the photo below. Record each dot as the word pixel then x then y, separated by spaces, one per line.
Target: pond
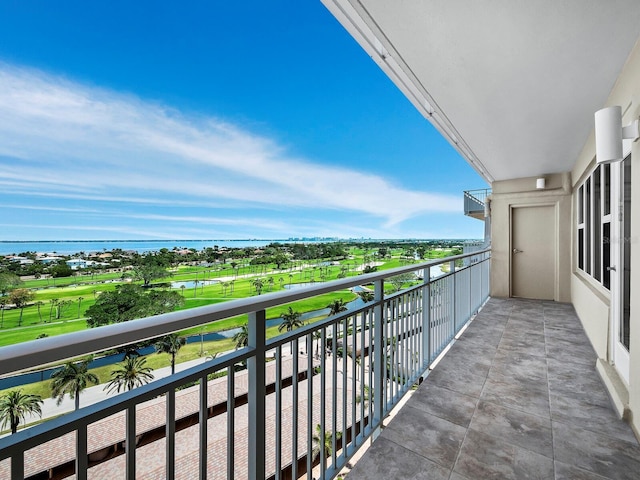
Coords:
pixel 192 283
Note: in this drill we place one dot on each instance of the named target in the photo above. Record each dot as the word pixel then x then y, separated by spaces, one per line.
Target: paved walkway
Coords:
pixel 517 397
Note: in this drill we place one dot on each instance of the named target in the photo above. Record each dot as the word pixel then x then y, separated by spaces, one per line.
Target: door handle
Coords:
pixel 515 250
pixel 611 269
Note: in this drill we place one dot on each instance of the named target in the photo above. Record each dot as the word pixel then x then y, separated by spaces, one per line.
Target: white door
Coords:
pixel 533 252
pixel 621 265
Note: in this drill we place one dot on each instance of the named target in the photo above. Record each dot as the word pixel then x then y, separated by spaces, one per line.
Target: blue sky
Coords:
pixel 212 120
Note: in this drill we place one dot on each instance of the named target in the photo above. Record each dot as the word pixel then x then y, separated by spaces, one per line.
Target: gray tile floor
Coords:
pixel 517 397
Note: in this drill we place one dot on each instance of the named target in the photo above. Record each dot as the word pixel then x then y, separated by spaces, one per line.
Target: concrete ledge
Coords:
pixel 618 391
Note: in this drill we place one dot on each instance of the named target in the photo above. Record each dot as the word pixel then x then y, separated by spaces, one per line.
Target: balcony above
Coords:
pixel 474 202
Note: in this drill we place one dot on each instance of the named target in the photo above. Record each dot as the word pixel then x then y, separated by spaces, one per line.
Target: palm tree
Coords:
pixel 54 303
pixel 3 302
pixel 15 406
pixel 366 296
pixel 258 283
pixel 79 303
pixel 39 304
pixel 182 287
pixel 132 373
pixel 337 306
pixel 328 441
pixel 72 378
pixel 242 337
pixel 317 335
pixel 290 320
pixel 271 282
pixel 171 344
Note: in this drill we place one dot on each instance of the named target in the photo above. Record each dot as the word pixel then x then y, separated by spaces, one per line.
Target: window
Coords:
pixel 593 207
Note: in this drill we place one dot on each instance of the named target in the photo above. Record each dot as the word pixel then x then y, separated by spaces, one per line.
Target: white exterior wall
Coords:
pixel 590 300
pixel 507 194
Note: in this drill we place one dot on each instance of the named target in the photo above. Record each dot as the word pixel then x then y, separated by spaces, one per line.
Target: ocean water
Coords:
pixel 71 247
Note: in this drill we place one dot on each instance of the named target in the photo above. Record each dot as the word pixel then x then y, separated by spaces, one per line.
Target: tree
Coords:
pixel 327 440
pixel 317 335
pixel 79 303
pixel 337 306
pixel 366 296
pixel 258 284
pixel 54 303
pixel 39 304
pixel 399 280
pixel 170 344
pixel 148 272
pixel 290 320
pixel 72 378
pixel 15 406
pixel 8 281
pixel 20 297
pixel 60 269
pixel 242 337
pixel 131 373
pixel 128 302
pixel 3 303
pixel 62 306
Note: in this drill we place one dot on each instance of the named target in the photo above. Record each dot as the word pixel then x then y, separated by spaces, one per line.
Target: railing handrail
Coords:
pixel 23 356
pixel 479 195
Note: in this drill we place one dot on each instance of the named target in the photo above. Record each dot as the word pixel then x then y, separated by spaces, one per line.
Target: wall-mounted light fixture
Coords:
pixel 610 133
pixel 541 183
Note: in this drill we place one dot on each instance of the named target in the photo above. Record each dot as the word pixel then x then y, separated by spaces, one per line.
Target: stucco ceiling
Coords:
pixel 512 84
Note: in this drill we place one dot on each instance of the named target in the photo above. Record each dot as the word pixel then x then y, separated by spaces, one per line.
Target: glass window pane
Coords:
pixel 587 223
pixel 606 186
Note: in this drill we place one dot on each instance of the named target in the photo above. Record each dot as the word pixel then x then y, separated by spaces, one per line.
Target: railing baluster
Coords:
pixel 294 422
pixel 310 426
pixel 130 442
pixel 82 461
pixel 334 394
pixel 279 412
pixel 231 422
pixel 17 466
pixel 170 429
pixel 203 417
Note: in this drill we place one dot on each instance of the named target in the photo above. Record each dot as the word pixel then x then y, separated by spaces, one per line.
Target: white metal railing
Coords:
pixel 474 200
pixel 336 378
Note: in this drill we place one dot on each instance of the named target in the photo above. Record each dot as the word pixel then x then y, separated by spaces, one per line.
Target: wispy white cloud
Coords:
pixel 59 138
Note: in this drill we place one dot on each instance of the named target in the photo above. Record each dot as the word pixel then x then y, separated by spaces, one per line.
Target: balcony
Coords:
pixel 517 396
pixel 336 378
pixel 474 202
pixel 522 371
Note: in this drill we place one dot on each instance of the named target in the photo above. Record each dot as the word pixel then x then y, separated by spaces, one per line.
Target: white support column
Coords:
pixel 257 393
